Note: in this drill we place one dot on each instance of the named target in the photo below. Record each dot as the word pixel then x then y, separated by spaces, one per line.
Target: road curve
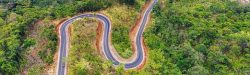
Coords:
pixel 64 40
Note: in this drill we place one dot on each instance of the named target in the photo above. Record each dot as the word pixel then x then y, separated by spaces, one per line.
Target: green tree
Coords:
pixel 198 70
pixel 29 42
pixel 2 22
pixel 26 3
pixel 129 2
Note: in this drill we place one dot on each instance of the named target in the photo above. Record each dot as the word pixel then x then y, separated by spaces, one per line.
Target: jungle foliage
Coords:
pixel 201 37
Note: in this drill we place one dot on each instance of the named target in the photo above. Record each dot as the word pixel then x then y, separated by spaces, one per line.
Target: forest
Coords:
pixel 201 37
pixel 194 37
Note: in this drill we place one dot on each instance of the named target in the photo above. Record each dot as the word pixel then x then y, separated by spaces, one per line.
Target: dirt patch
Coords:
pixel 99 34
pixel 58 24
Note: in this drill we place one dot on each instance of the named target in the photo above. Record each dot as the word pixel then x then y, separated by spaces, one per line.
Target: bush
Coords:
pixel 29 42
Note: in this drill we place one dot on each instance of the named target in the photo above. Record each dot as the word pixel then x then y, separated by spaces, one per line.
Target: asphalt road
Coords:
pixel 64 40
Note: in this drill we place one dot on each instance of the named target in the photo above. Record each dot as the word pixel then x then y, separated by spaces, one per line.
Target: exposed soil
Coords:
pixel 58 24
pixel 99 34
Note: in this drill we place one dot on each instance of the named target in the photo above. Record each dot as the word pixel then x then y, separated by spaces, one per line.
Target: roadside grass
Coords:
pixel 84 57
pixel 36 70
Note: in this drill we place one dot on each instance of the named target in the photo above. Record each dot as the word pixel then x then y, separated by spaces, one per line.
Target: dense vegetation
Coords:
pixel 49 34
pixel 201 37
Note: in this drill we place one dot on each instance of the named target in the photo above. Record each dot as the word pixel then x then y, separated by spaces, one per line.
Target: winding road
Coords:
pixel 105 43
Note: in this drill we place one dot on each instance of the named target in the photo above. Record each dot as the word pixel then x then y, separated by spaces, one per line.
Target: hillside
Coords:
pixel 193 37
